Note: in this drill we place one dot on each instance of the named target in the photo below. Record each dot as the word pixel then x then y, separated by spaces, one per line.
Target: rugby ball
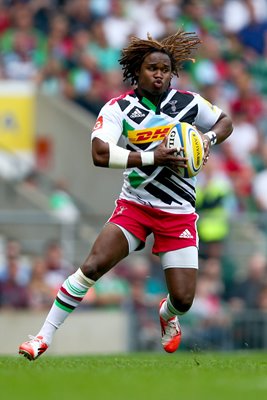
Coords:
pixel 186 136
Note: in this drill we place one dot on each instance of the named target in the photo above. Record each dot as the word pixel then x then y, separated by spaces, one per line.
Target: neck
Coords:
pixel 154 98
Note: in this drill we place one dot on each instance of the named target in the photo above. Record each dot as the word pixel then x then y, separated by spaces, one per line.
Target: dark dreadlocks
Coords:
pixel 178 47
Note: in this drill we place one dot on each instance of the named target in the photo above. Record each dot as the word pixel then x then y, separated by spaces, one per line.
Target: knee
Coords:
pixel 92 269
pixel 182 302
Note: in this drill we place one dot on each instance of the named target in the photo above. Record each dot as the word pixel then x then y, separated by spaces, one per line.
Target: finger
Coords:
pixel 205 160
pixel 164 141
pixel 174 150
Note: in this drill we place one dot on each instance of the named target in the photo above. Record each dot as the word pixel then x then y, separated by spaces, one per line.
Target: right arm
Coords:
pixel 109 155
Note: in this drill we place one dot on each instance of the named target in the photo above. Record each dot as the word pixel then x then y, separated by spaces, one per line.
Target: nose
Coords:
pixel 158 74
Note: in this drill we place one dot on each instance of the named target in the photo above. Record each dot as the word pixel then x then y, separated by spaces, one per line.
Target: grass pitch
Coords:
pixel 137 376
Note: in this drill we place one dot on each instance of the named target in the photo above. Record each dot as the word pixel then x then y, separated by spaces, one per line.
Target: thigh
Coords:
pixel 132 217
pixel 180 258
pixel 110 247
pixel 174 232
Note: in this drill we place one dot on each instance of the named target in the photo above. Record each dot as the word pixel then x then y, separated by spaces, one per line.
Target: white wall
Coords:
pixel 84 332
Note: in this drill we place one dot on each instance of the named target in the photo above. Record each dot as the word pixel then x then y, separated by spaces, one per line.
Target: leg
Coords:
pixel 180 268
pixel 181 284
pixel 110 247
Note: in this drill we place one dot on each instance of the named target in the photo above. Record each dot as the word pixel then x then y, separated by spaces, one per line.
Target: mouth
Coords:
pixel 158 83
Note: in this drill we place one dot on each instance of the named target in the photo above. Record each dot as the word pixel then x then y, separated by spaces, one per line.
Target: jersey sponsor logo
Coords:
pixel 99 123
pixel 149 134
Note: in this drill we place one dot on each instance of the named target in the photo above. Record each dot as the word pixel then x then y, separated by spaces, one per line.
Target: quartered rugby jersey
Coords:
pixel 138 125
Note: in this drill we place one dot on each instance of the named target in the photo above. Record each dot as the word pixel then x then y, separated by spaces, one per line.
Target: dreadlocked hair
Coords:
pixel 179 47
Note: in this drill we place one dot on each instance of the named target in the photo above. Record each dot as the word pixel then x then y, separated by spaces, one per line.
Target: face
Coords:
pixel 155 74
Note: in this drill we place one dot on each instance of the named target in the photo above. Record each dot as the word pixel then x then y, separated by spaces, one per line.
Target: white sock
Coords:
pixel 69 296
pixel 167 310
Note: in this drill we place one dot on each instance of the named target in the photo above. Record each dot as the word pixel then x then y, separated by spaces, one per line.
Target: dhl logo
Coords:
pixel 149 134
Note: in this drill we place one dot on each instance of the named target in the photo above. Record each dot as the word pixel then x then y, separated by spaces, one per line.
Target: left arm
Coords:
pixel 217 134
pixel 222 129
pixel 214 125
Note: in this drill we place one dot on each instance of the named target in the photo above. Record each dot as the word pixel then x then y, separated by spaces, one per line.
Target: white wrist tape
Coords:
pixel 212 137
pixel 147 158
pixel 118 157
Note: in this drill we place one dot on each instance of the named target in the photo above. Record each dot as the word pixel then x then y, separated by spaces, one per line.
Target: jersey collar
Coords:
pixel 148 104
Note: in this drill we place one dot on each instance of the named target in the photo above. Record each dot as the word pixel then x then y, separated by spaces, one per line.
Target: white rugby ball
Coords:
pixel 186 136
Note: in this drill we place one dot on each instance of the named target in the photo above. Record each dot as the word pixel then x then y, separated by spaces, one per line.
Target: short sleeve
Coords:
pixel 208 114
pixel 109 124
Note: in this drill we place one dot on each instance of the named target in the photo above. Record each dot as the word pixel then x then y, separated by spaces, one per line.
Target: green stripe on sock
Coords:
pixel 172 309
pixel 75 291
pixel 69 310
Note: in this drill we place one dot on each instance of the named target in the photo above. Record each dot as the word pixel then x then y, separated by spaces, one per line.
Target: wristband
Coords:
pixel 147 158
pixel 118 157
pixel 212 137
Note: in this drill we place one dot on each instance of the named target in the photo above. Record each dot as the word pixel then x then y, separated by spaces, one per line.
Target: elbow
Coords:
pixel 231 127
pixel 100 161
pixel 100 153
pixel 227 126
pixel 96 162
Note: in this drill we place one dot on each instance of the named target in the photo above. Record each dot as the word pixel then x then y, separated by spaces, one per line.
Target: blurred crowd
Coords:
pixel 71 48
pixel 136 286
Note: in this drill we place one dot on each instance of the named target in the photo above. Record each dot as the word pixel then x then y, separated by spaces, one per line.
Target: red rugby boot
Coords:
pixel 170 332
pixel 33 348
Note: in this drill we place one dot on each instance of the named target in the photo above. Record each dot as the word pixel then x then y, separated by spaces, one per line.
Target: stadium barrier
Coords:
pixel 110 332
pixel 85 332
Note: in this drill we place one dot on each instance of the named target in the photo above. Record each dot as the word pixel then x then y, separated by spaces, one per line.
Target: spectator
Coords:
pixel 105 55
pixel 18 63
pixel 5 20
pixel 262 298
pixel 259 190
pixel 111 291
pixel 13 252
pixel 247 98
pixel 116 27
pixel 209 323
pixel 79 14
pixel 246 138
pixel 62 205
pixel 51 78
pixel 253 34
pixel 245 293
pixel 211 68
pixel 241 175
pixel 23 27
pixel 13 295
pixel 194 18
pixel 57 267
pixel 60 42
pixel 215 202
pixel 145 17
pixel 41 294
pixel 146 292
